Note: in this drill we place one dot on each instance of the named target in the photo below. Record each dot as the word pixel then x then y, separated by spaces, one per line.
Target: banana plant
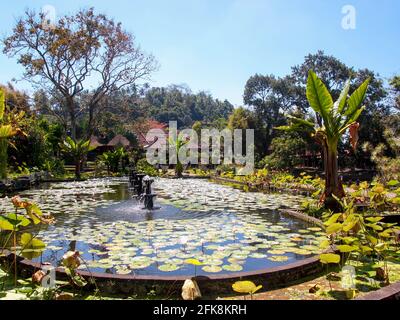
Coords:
pixel 77 150
pixel 113 159
pixel 7 131
pixel 337 118
pixel 178 143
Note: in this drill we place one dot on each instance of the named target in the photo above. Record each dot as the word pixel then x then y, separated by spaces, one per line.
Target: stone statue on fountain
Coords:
pixel 141 183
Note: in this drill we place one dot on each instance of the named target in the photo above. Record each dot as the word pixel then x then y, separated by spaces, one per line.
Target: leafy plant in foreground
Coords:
pixel 28 246
pixel 358 238
pixel 246 287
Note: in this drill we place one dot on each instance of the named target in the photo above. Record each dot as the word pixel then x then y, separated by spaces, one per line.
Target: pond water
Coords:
pixel 226 229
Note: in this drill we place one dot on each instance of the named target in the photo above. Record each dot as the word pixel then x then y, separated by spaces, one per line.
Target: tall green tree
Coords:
pixel 271 97
pixel 395 84
pixel 337 118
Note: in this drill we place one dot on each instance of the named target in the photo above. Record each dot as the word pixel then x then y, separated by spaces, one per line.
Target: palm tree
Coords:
pixel 336 119
pixel 77 150
pixel 7 130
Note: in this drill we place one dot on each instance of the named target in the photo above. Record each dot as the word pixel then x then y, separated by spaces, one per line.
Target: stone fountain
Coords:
pixel 141 185
pixel 148 195
pixel 136 181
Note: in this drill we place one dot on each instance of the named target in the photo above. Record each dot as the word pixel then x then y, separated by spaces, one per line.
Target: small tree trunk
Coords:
pixel 78 169
pixel 3 158
pixel 333 185
pixel 90 122
pixel 72 117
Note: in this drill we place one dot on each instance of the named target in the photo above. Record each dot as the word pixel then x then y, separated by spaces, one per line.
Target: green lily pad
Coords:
pixel 168 267
pixel 278 258
pixel 212 269
pixel 232 267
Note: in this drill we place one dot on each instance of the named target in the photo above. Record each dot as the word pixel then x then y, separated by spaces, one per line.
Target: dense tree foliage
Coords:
pixel 178 103
pixel 77 51
pixel 271 97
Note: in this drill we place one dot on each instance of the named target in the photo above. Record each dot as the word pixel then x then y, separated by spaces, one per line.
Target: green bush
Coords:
pixel 143 166
pixel 285 152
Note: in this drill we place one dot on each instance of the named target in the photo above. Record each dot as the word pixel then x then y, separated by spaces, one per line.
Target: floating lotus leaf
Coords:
pixel 263 246
pixel 252 249
pixel 123 271
pixel 278 258
pixel 140 265
pixel 257 255
pixel 168 267
pixel 236 261
pixel 220 254
pixel 212 269
pixel 315 229
pixel 232 267
pixel 176 261
pixel 302 252
pixel 239 256
pixel 183 255
pixel 213 262
pixel 276 252
pixel 194 262
pixel 297 239
pixel 310 248
pixel 290 244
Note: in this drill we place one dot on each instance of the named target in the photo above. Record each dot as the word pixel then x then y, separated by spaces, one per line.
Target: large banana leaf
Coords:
pixel 356 99
pixel 6 131
pixel 320 100
pixel 337 117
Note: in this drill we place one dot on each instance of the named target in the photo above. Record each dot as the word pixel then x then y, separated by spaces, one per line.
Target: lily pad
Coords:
pixel 212 269
pixel 168 267
pixel 278 258
pixel 232 267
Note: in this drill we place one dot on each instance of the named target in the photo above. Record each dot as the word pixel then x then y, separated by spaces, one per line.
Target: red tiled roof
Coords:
pixel 119 140
pixel 154 124
pixel 94 142
pixel 147 126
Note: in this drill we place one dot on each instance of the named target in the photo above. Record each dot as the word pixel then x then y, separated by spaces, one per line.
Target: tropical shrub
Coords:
pixel 358 237
pixel 285 152
pixel 114 159
pixel 78 150
pixel 144 167
pixel 388 166
pixel 8 128
pixel 178 144
pixel 14 226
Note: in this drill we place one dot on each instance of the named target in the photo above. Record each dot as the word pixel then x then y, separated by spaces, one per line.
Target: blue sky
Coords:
pixel 216 45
